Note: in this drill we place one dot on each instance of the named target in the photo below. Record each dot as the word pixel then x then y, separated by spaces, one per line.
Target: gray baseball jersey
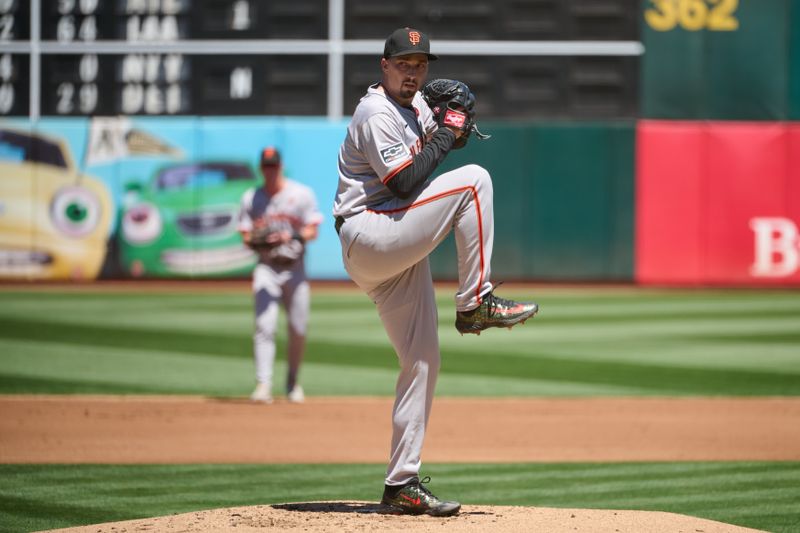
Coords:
pixel 381 140
pixel 385 246
pixel 292 208
pixel 280 276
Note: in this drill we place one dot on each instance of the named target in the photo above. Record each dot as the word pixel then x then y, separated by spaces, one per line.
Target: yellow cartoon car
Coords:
pixel 54 221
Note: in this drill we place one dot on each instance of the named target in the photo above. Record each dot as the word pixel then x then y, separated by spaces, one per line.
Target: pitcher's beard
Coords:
pixel 408 89
pixel 407 94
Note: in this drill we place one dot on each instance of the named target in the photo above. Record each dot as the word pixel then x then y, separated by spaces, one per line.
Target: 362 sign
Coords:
pixel 692 15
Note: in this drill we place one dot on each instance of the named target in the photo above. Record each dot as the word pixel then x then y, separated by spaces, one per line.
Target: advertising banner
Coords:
pixel 718 203
pixel 150 197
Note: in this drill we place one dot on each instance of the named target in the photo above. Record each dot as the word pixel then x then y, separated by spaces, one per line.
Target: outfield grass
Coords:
pixel 586 342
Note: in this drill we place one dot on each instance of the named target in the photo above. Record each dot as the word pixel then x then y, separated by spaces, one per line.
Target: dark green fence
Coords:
pixel 563 200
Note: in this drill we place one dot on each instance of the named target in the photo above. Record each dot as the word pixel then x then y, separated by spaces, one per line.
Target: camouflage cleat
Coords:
pixel 413 498
pixel 494 312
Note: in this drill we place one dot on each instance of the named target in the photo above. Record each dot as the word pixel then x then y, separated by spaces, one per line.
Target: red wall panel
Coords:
pixel 669 163
pixel 717 203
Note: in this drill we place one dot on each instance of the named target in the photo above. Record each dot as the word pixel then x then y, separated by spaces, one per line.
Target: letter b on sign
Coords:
pixel 777 248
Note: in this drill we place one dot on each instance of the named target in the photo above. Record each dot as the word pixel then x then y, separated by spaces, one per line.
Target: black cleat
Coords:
pixel 494 312
pixel 413 498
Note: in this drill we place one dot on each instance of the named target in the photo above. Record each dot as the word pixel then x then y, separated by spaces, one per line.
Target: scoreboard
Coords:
pixel 306 57
pixel 158 57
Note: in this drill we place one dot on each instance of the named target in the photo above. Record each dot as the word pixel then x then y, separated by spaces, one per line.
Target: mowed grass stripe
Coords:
pixel 780 357
pixel 707 354
pixel 203 314
pixel 773 486
pixel 65 495
pixel 34 366
pixel 126 337
pixel 655 378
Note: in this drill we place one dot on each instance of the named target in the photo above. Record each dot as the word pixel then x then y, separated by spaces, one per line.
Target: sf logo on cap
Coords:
pixel 413 37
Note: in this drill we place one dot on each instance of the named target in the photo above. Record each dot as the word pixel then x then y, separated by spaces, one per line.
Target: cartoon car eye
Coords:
pixel 75 211
pixel 142 224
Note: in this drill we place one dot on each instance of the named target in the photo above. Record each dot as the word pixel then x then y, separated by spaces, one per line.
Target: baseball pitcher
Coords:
pixel 391 214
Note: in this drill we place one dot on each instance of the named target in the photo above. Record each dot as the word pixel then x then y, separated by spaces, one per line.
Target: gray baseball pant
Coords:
pixel 271 287
pixel 385 250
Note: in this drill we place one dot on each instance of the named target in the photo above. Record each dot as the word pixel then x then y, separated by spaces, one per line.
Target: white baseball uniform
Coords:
pixel 385 246
pixel 279 276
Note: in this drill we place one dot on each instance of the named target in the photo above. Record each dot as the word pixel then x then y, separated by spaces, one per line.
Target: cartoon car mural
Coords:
pixel 54 220
pixel 183 222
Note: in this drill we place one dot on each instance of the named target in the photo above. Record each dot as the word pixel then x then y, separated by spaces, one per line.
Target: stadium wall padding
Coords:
pixel 563 200
pixel 718 203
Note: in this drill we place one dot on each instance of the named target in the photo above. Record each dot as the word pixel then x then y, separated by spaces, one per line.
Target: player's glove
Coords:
pixel 262 238
pixel 453 106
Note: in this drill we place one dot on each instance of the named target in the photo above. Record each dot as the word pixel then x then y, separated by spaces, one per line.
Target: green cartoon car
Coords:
pixel 183 223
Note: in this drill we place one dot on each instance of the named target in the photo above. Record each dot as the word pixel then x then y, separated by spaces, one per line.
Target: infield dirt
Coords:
pixel 172 430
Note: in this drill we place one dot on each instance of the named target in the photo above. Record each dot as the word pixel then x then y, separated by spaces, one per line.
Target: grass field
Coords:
pixel 760 495
pixel 586 342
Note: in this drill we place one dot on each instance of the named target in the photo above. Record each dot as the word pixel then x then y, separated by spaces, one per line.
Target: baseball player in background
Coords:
pixel 277 220
pixel 390 215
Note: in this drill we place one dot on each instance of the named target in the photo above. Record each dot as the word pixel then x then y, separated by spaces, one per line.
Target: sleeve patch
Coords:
pixel 393 153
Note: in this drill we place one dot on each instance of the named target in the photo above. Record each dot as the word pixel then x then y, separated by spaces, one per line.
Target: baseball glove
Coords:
pixel 262 238
pixel 453 105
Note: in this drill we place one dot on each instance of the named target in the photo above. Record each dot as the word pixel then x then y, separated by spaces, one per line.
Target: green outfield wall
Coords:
pixel 722 60
pixel 563 200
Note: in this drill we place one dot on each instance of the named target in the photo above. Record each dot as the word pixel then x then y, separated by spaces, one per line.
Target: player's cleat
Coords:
pixel 413 498
pixel 494 312
pixel 262 394
pixel 296 395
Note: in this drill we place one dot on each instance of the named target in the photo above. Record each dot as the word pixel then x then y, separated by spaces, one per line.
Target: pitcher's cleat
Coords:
pixel 494 312
pixel 413 498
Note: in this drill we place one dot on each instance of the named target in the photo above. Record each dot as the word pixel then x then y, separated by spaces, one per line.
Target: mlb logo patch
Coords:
pixel 393 153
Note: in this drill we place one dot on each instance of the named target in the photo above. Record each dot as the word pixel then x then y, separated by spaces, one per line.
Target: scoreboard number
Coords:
pixel 692 15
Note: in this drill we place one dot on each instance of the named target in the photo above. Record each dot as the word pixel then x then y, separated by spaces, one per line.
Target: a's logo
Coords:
pixel 777 247
pixel 393 153
pixel 414 37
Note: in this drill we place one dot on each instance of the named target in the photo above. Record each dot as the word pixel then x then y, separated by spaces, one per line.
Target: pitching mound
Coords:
pixel 363 516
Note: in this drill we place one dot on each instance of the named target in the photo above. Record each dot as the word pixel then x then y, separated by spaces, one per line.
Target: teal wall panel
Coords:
pixel 794 60
pixel 563 200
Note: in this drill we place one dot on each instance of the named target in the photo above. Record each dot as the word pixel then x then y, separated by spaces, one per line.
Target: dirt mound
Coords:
pixel 363 516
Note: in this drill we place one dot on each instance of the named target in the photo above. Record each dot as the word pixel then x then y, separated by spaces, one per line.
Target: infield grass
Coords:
pixel 759 495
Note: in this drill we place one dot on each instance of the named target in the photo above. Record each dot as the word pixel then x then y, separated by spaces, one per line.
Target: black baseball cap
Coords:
pixel 405 41
pixel 270 156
